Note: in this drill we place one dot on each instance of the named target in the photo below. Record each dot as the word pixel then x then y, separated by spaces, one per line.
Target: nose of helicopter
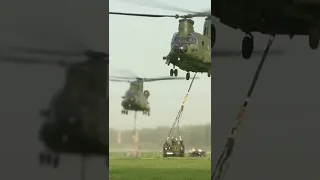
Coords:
pixel 183 48
pixel 129 101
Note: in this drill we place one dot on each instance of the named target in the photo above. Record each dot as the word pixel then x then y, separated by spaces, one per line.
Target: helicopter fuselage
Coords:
pixel 69 138
pixel 193 57
pixel 135 102
pixel 76 121
pixel 190 51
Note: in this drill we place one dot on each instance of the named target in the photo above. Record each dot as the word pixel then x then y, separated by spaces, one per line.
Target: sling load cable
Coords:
pixel 135 136
pixel 219 172
pixel 177 120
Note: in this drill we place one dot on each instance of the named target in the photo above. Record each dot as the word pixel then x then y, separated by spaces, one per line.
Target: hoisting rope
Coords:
pixel 223 162
pixel 177 120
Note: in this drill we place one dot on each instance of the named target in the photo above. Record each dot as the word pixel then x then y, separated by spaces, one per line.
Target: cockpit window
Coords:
pixel 176 39
pixel 191 39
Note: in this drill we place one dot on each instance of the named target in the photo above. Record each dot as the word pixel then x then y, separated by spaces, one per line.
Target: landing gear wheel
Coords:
pixel 213 35
pixel 56 161
pixel 314 36
pixel 48 159
pixel 247 46
pixel 209 73
pixel 148 113
pixel 171 72
pixel 42 158
pixel 175 72
pixel 124 112
pixel 187 76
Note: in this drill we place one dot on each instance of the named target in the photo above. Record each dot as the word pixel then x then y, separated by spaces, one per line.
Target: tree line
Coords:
pixel 198 136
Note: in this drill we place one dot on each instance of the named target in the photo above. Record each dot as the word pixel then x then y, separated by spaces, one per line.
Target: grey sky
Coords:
pixel 25 89
pixel 279 138
pixel 138 44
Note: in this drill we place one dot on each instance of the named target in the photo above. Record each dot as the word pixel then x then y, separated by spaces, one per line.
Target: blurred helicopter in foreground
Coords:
pixel 76 121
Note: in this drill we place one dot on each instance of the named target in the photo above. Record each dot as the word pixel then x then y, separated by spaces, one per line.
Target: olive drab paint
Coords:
pixel 185 27
pixel 136 98
pixel 190 51
pixel 140 96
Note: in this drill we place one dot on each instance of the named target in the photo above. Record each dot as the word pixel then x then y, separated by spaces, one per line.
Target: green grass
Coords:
pixel 152 167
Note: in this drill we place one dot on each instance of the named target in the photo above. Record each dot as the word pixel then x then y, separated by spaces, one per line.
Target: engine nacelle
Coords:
pixel 209 30
pixel 146 93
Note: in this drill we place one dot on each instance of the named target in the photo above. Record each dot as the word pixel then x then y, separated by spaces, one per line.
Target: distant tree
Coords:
pixel 193 136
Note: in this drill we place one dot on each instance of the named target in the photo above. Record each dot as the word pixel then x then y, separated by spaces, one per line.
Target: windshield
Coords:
pixel 190 39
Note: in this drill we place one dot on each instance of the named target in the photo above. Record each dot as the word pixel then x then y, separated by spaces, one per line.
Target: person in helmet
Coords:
pixel 166 144
pixel 174 141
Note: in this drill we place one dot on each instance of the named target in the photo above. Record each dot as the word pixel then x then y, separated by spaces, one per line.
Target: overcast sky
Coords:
pixel 138 44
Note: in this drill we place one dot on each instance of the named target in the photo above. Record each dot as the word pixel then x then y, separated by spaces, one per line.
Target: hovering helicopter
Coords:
pixel 136 99
pixel 191 51
pixel 76 121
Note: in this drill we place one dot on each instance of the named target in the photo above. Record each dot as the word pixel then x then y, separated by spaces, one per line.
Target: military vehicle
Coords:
pixel 135 98
pixel 76 121
pixel 197 153
pixel 173 147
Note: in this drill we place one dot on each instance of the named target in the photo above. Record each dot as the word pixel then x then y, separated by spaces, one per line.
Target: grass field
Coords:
pixel 151 166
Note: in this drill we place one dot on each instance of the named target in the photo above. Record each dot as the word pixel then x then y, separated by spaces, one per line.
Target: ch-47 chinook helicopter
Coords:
pixel 191 51
pixel 76 121
pixel 135 98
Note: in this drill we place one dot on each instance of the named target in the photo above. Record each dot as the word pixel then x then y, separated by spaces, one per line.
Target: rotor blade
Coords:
pixel 57 52
pixel 235 53
pixel 159 5
pixel 119 80
pixel 32 61
pixel 120 77
pixel 142 15
pixel 201 14
pixel 163 78
pixel 62 33
pixel 127 72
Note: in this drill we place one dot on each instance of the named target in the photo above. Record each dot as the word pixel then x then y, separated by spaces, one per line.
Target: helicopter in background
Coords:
pixel 136 98
pixel 76 121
